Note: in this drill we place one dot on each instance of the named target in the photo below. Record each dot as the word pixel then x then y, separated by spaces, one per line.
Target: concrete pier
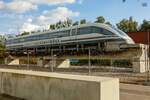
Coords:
pixel 32 85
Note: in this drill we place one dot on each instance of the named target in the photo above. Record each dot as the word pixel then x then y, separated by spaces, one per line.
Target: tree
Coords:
pixel 100 19
pixel 68 22
pixel 128 25
pixel 24 33
pixel 52 27
pixel 59 25
pixel 2 46
pixel 83 21
pixel 108 23
pixel 75 23
pixel 145 25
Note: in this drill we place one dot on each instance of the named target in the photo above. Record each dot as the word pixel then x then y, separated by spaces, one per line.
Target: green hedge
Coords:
pixel 2 61
pixel 101 62
pixel 122 63
pixel 96 62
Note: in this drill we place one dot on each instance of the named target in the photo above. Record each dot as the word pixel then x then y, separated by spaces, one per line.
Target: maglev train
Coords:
pixel 93 35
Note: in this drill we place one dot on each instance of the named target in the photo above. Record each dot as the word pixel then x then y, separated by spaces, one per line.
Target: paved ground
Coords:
pixel 134 92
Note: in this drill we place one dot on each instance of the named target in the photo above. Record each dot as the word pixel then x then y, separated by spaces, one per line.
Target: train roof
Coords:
pixel 63 29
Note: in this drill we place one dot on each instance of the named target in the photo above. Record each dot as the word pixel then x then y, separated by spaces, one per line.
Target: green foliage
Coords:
pixel 2 50
pixel 75 23
pixel 102 62
pixel 145 25
pixel 128 25
pixel 122 63
pixel 108 23
pixel 61 24
pixel 83 21
pixel 100 19
pixel 22 34
pixel 2 61
pixel 94 62
pixel 52 27
pixel 25 33
pixel 69 22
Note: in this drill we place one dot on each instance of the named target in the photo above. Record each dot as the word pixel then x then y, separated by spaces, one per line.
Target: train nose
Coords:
pixel 129 41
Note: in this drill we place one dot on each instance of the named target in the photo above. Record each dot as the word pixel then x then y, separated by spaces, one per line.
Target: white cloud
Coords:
pixel 55 15
pixel 49 1
pixel 2 5
pixel 29 20
pixel 28 27
pixel 21 6
pixel 18 6
pixel 80 1
pixel 48 17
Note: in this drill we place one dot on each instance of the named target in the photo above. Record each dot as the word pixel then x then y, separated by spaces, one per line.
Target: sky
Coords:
pixel 17 16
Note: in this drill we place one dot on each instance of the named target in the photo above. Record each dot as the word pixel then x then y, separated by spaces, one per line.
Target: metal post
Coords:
pixel 148 55
pixel 28 60
pixel 52 60
pixel 89 61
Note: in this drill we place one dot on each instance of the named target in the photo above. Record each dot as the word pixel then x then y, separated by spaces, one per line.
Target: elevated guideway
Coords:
pixel 132 56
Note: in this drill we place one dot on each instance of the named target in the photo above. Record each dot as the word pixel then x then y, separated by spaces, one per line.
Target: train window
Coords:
pixel 119 31
pixel 64 34
pixel 85 30
pixel 73 32
pixel 101 30
pixel 106 32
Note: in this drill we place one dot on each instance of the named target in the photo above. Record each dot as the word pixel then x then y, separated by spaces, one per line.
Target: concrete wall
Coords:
pixel 32 85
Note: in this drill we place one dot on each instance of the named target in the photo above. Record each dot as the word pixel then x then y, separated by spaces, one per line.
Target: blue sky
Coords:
pixel 26 15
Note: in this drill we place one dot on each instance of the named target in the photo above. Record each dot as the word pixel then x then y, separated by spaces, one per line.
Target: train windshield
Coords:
pixel 119 31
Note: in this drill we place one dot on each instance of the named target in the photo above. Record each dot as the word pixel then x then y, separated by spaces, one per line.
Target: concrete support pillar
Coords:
pixel 64 48
pixel 98 46
pixel 60 48
pixel 6 61
pixel 34 50
pixel 82 47
pixel 77 46
pixel 40 62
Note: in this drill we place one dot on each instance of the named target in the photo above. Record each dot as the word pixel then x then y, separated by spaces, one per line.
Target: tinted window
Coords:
pixel 84 30
pixel 101 30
